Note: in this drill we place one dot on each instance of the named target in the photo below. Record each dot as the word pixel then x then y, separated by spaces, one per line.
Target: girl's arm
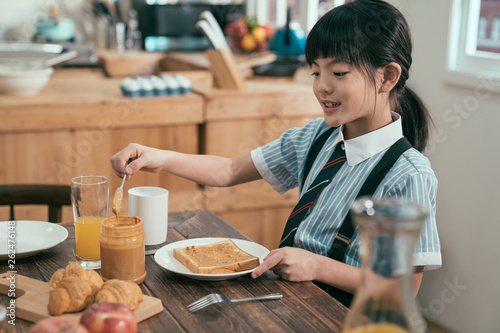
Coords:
pixel 203 169
pixel 348 278
pixel 296 264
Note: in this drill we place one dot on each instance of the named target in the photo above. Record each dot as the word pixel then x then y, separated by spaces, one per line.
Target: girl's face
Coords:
pixel 348 97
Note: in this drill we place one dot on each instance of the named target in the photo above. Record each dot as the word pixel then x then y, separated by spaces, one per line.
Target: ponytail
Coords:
pixel 415 116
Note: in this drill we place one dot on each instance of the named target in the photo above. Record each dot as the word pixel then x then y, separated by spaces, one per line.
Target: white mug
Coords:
pixel 151 205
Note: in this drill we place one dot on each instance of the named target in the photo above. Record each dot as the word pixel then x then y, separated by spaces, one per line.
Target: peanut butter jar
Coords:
pixel 122 249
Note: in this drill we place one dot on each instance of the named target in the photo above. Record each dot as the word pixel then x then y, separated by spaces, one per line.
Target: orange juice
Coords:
pixel 87 229
pixel 377 328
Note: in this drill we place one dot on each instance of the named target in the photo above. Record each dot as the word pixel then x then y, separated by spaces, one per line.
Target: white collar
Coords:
pixel 367 145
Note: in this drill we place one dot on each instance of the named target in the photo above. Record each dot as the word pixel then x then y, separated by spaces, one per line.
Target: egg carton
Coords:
pixel 155 85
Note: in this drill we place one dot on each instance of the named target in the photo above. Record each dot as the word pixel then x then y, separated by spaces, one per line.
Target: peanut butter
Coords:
pixel 122 249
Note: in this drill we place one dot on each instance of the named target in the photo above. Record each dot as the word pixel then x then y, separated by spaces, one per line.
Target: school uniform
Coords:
pixel 281 163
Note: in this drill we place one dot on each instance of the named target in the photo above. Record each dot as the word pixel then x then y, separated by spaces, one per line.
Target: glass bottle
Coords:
pixel 384 302
pixel 134 36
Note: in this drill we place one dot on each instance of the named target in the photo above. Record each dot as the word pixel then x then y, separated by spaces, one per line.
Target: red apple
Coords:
pixel 269 31
pixel 235 31
pixel 57 325
pixel 108 317
pixel 261 45
pixel 237 28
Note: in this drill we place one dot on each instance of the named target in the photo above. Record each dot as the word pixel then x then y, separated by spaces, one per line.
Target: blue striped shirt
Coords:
pixel 281 163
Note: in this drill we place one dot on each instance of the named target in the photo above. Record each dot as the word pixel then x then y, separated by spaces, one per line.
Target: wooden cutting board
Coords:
pixel 32 297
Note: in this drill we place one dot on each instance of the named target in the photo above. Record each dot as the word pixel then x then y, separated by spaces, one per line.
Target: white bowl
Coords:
pixel 24 82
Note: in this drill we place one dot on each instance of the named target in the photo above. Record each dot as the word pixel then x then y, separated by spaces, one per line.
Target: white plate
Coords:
pixel 30 237
pixel 164 257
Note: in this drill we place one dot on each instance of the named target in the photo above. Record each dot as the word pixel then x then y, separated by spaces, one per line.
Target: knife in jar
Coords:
pixel 212 36
pixel 210 18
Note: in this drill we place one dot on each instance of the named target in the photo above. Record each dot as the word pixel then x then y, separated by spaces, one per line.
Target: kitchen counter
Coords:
pixel 81 98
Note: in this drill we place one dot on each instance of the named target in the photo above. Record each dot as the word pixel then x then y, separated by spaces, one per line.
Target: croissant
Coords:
pixel 72 289
pixel 120 291
pixel 71 295
pixel 74 269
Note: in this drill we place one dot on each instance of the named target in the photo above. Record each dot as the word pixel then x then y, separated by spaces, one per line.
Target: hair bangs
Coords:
pixel 334 36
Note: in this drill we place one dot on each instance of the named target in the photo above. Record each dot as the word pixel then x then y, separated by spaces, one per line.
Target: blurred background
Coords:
pixel 456 71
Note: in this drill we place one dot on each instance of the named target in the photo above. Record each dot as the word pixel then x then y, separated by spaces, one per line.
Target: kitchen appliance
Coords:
pixel 54 28
pixel 288 43
pixel 169 25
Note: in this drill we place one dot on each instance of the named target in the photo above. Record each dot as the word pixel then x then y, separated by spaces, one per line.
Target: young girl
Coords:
pixel 360 55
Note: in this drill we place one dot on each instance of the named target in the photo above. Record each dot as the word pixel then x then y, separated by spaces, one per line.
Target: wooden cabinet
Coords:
pixel 78 121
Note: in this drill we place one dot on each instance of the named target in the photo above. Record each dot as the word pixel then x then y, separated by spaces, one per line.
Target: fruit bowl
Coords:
pixel 23 82
pixel 248 36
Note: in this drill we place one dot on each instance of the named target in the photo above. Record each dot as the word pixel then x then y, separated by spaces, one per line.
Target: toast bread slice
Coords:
pixel 217 258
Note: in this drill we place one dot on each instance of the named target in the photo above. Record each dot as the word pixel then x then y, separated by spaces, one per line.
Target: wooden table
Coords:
pixel 304 307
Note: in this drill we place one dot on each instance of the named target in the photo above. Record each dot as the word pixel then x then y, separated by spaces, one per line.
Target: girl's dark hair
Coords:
pixel 370 34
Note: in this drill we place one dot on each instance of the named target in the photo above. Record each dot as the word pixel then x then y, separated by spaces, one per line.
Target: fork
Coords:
pixel 217 298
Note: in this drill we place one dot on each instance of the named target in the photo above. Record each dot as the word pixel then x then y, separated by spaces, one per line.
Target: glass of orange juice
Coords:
pixel 90 199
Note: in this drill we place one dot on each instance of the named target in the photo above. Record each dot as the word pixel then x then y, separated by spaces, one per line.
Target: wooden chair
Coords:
pixel 54 196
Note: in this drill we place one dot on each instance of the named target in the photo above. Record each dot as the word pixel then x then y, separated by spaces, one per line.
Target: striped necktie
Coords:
pixel 306 202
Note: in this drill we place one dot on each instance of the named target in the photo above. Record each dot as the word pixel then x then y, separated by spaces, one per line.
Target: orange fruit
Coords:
pixel 248 43
pixel 259 34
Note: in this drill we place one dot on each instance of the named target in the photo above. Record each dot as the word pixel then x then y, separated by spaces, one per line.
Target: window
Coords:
pixel 488 35
pixel 306 12
pixel 475 38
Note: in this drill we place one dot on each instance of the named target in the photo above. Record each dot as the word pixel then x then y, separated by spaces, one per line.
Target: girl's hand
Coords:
pixel 291 263
pixel 138 157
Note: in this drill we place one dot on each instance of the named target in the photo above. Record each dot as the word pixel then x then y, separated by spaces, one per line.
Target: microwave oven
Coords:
pixel 169 25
